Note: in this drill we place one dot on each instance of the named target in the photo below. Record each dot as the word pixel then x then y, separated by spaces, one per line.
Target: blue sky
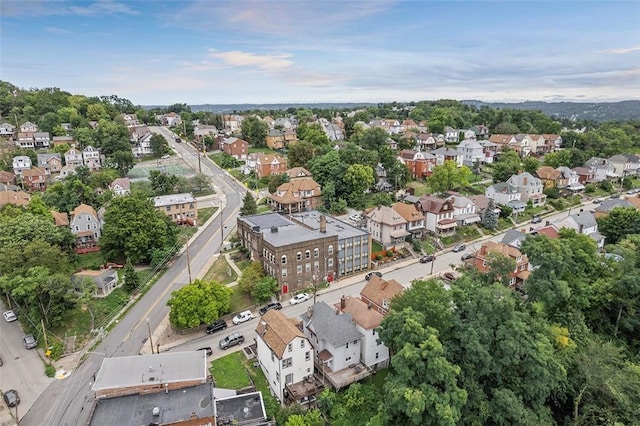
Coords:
pixel 206 51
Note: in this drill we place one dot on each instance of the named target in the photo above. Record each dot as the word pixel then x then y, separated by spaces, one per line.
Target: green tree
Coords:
pixel 620 222
pixel 330 168
pixel 123 161
pixel 200 182
pixel 509 164
pixel 131 278
pixel 309 418
pixel 359 178
pixel 200 302
pixel 264 289
pixel 373 138
pixel 254 131
pixel 530 164
pixel 448 176
pixel 133 229
pixel 158 145
pixel 162 183
pixel 275 181
pixel 300 153
pixel 347 408
pixel 490 216
pixel 249 205
pixel 382 199
pixel 250 277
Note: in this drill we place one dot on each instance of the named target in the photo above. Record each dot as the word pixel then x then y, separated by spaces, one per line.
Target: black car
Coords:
pixel 370 274
pixel 217 325
pixel 427 258
pixel 11 398
pixel 536 219
pixel 208 349
pixel 466 256
pixel 273 305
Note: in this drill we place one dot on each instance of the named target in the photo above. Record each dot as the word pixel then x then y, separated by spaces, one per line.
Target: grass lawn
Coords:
pixel 239 300
pixel 375 247
pixel 427 246
pixel 205 214
pixel 90 260
pixel 378 379
pixel 219 272
pixel 263 208
pixel 270 403
pixel 254 149
pixel 229 372
pixel 204 192
pixel 419 188
pixel 217 158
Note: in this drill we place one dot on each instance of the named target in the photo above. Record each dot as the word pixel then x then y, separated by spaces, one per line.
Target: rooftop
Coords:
pixel 335 329
pixel 170 200
pixel 247 409
pixel 277 331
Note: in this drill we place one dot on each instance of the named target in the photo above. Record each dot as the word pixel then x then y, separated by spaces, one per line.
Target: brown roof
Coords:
pixel 501 248
pixel 550 231
pixel 278 331
pixel 34 171
pixel 501 139
pixel 298 173
pixel 385 215
pixel 124 183
pixel 432 204
pixel 7 177
pixel 361 313
pixel 268 158
pixel 17 198
pixel 408 211
pixel 60 219
pixel 378 290
pixel 83 208
pixel 407 154
pixel 548 173
pixel 295 186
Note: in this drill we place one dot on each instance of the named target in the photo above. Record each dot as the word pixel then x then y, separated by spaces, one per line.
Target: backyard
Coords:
pixel 221 272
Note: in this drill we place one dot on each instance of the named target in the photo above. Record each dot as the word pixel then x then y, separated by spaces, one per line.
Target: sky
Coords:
pixel 248 51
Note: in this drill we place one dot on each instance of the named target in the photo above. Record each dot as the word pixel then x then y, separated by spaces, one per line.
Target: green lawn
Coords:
pixel 378 378
pixel 254 149
pixel 90 260
pixel 376 247
pixel 205 214
pixel 221 272
pixel 239 300
pixel 229 372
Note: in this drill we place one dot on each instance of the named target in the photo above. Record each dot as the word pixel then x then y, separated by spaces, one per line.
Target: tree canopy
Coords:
pixel 200 302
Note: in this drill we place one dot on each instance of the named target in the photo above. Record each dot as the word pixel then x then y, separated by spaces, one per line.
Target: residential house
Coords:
pixel 304 249
pixel 60 140
pixel 472 152
pixel 386 226
pixel 181 208
pixel 333 131
pixel 21 163
pixel 585 175
pixel 66 127
pixel 409 124
pixel 551 143
pixel 25 141
pixel 549 176
pixel 569 180
pixel 28 127
pixel 91 158
pixel 203 130
pixel 298 173
pixel 415 223
pixel 529 143
pixel 419 163
pixel 171 119
pixel 622 165
pixel 66 171
pixel 14 197
pixel 583 223
pixel 379 292
pixel 429 141
pixel 73 157
pixel 290 136
pixel 120 187
pixel 60 218
pixel 373 353
pixel 438 214
pixel 490 150
pixel 51 163
pixel 235 147
pixel 481 202
pixel 634 160
pixel 604 208
pixel 296 196
pixel 275 139
pixel 392 144
pixel 465 211
pixel 451 135
pixel 484 258
pixel 86 227
pixel 506 194
pixel 130 120
pixel 268 120
pixel 41 140
pixel 249 164
pixel 481 131
pixel 448 154
pixel 7 178
pixel 105 280
pixel 269 164
pixel 530 188
pixel 285 123
pixel 284 352
pixel 382 181
pixel 232 122
pixel 7 130
pixel 514 238
pixel 602 169
pixel 142 143
pixel 504 141
pixel 337 343
pixel 35 179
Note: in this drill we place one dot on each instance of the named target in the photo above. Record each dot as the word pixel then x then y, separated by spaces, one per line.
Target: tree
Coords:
pixel 200 182
pixel 158 144
pixel 448 176
pixel 382 199
pixel 373 138
pixel 300 153
pixel 249 205
pixel 530 164
pixel 133 229
pixel 275 181
pixel 508 165
pixel 620 222
pixel 254 131
pixel 200 302
pixel 250 277
pixel 347 407
pixel 123 161
pixel 330 168
pixel 162 183
pixel 264 289
pixel 490 216
pixel 131 278
pixel 359 178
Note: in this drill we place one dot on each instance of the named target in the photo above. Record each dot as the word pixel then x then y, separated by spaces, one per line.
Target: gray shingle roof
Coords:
pixel 337 329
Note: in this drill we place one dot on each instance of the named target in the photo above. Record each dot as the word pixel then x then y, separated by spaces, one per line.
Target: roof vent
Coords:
pixel 155 411
pixel 274 229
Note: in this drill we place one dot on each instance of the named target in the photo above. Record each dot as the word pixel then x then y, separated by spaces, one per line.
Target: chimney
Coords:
pixel 323 223
pixel 525 181
pixel 343 302
pixel 369 305
pixel 264 327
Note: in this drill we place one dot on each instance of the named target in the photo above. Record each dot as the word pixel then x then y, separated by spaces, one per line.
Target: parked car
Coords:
pixel 164 157
pixel 217 325
pixel 30 342
pixel 231 340
pixel 427 258
pixel 449 276
pixel 299 298
pixel 273 305
pixel 459 247
pixel 207 349
pixel 536 219
pixel 597 201
pixel 242 317
pixel 370 274
pixel 9 316
pixel 11 398
pixel 356 217
pixel 467 256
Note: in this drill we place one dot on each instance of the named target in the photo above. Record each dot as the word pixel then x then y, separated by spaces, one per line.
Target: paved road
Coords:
pixel 68 401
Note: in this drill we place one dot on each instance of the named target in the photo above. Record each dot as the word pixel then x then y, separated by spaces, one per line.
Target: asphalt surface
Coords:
pixel 68 401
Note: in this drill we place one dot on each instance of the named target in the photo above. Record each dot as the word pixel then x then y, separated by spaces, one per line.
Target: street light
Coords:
pixel 150 339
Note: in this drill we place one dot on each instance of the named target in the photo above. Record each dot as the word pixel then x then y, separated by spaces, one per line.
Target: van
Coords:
pixel 231 340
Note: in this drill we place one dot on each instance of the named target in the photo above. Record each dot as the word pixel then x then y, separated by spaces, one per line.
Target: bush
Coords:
pixel 390 253
pixel 379 256
pixel 50 370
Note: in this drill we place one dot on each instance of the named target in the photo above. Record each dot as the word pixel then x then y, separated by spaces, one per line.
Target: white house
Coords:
pixel 7 130
pixel 464 210
pixel 143 145
pixel 283 351
pixel 73 157
pixel 530 188
pixel 506 194
pixel 20 164
pixel 41 139
pixel 448 154
pixel 386 226
pixel 583 223
pixel 120 186
pixel 91 158
pixel 472 152
pixel 28 127
pixel 601 168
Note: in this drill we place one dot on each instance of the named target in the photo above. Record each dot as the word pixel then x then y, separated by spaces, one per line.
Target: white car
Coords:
pixel 299 298
pixel 243 317
pixel 9 316
pixel 355 217
pixel 164 157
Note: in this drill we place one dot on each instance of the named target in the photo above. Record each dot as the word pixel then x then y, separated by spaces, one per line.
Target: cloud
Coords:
pixel 58 31
pixel 620 51
pixel 270 62
pixel 55 7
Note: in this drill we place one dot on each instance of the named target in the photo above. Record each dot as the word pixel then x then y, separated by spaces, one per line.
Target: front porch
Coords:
pixel 446 227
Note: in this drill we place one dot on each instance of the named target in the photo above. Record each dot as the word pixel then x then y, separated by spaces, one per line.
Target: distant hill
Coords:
pixel 596 111
pixel 228 108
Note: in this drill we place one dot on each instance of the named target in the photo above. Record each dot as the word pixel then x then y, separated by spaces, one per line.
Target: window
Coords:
pixel 348 359
pixel 283 260
pixel 287 362
pixel 330 250
pixel 272 357
pixel 168 208
pixel 278 376
pixel 347 345
pixel 298 256
pixel 329 262
pixel 355 342
pixel 284 272
pixel 307 254
pixel 289 379
pixel 299 269
pixel 307 267
pixel 377 355
pixel 307 355
pixel 302 343
pixel 290 347
pixel 316 252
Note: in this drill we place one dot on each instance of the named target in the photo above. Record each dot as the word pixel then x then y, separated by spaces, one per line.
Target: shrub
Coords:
pixel 390 253
pixel 50 370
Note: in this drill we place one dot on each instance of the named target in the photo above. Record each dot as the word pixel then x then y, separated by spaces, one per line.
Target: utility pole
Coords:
pixel 44 334
pixel 221 227
pixel 188 262
pixel 150 339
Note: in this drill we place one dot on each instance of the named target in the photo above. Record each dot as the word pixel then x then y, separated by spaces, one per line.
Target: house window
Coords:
pixel 88 226
pixel 272 357
pixel 290 347
pixel 347 345
pixel 289 379
pixel 347 359
pixel 316 252
pixel 283 260
pixel 377 354
pixel 299 269
pixel 307 267
pixel 284 272
pixel 298 256
pixel 307 355
pixel 287 362
pixel 302 343
pixel 278 376
pixel 329 262
pixel 307 254
pixel 355 342
pixel 330 250
pixel 77 228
